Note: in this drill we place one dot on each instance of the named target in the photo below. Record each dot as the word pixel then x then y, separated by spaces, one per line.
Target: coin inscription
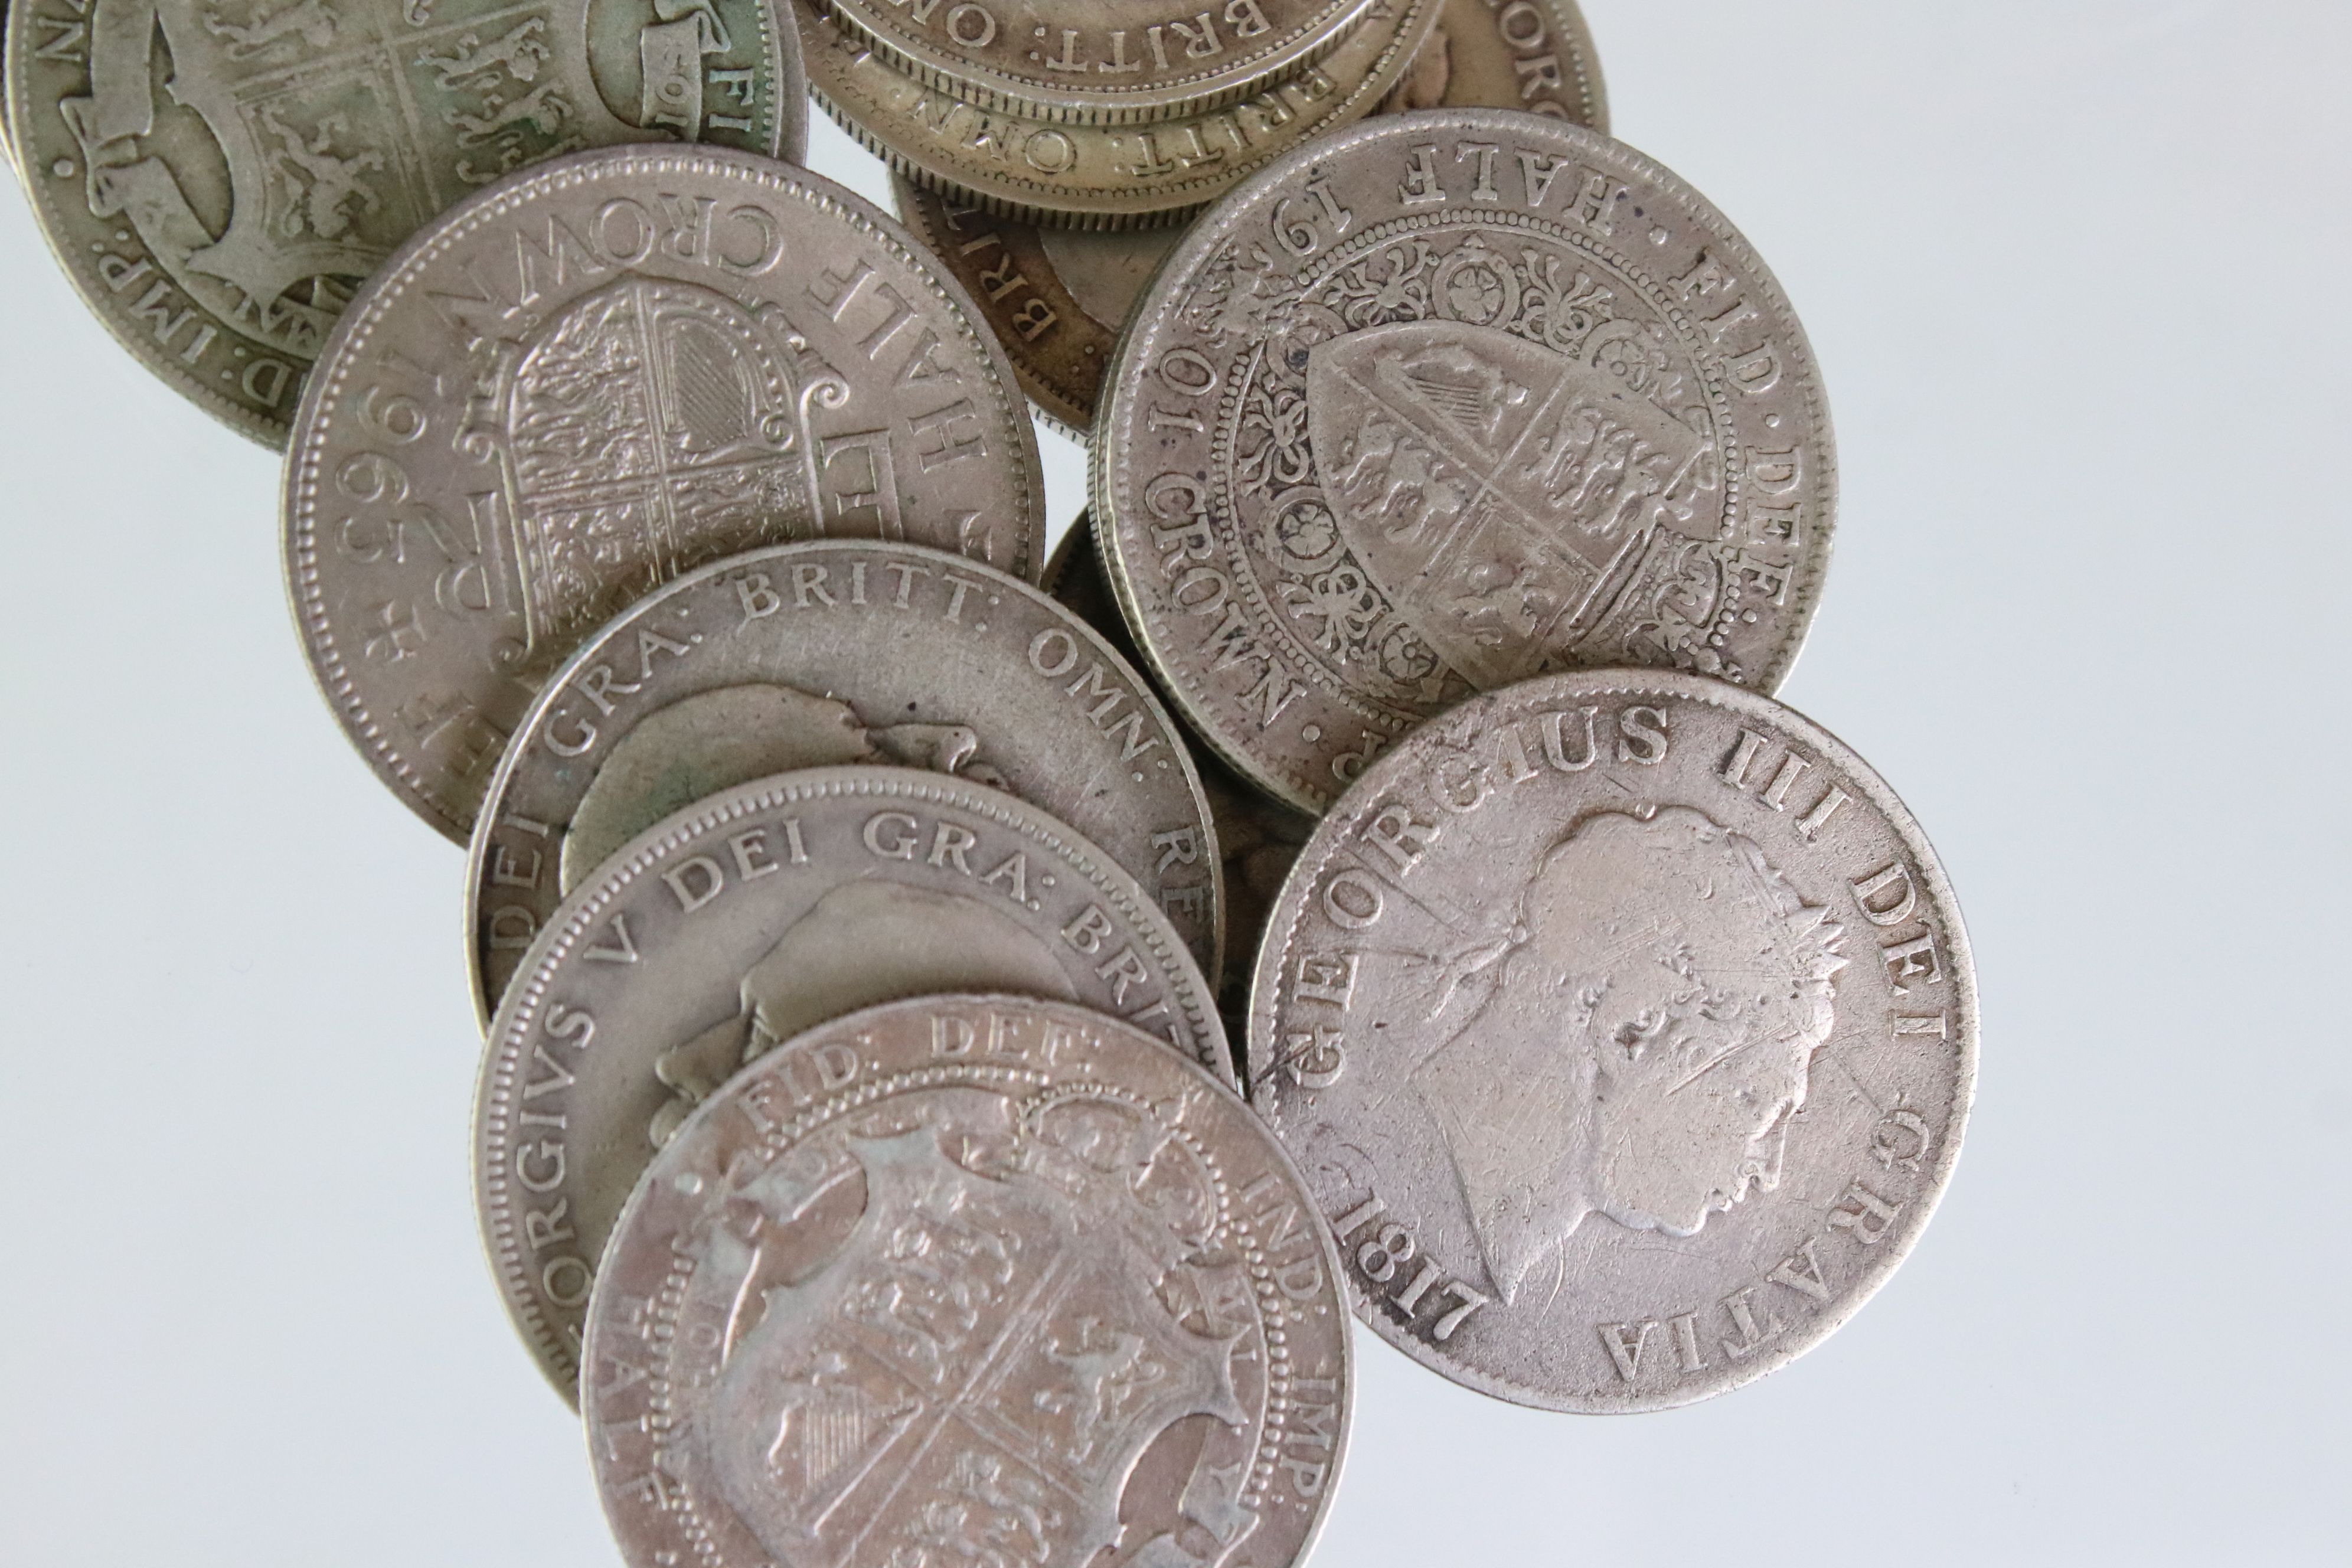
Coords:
pixel 217 179
pixel 834 651
pixel 763 910
pixel 1451 399
pixel 969 1280
pixel 607 371
pixel 1059 298
pixel 1085 61
pixel 1625 1026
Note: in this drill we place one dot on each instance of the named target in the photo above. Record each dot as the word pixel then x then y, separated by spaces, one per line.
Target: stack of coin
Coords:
pixel 931 987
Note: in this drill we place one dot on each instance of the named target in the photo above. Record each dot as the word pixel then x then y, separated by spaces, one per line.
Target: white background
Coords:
pixel 2077 277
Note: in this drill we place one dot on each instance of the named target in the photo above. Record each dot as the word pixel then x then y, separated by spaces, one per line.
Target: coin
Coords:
pixel 218 179
pixel 829 652
pixel 1257 836
pixel 605 373
pixel 1067 293
pixel 1092 176
pixel 1625 1026
pixel 969 1280
pixel 756 913
pixel 1447 400
pixel 1084 62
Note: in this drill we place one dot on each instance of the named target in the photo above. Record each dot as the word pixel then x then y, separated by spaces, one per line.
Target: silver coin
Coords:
pixel 1443 400
pixel 1625 1026
pixel 758 912
pixel 218 178
pixel 969 1280
pixel 1091 63
pixel 1257 836
pixel 834 651
pixel 606 372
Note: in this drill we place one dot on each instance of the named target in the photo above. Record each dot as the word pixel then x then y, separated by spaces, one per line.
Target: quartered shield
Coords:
pixel 1523 507
pixel 971 1375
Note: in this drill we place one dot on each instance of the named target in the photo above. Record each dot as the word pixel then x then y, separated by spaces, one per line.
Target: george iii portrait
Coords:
pixel 1647 1035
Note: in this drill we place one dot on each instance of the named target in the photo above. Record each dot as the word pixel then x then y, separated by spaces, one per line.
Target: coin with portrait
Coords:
pixel 601 373
pixel 836 651
pixel 969 1280
pixel 217 179
pixel 1449 399
pixel 1625 1025
pixel 735 924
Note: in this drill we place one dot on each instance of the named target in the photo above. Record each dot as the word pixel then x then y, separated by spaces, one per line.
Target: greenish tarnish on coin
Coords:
pixel 1092 63
pixel 969 1280
pixel 727 930
pixel 826 652
pixel 601 373
pixel 1624 1024
pixel 1444 400
pixel 1100 176
pixel 218 178
pixel 1059 298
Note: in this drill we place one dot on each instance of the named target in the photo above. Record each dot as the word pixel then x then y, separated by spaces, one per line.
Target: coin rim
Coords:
pixel 1003 91
pixel 1315 857
pixel 314 418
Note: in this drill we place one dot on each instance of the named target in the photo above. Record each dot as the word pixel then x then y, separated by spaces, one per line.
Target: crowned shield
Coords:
pixel 971 1376
pixel 650 428
pixel 1503 495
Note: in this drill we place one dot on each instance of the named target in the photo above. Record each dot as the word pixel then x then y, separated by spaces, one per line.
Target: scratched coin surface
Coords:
pixel 1448 400
pixel 758 912
pixel 1257 836
pixel 1100 176
pixel 1094 63
pixel 969 1280
pixel 1059 298
pixel 1625 1026
pixel 606 372
pixel 836 651
pixel 217 179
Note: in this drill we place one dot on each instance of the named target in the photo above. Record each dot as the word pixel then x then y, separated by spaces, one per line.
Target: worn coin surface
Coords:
pixel 1257 836
pixel 969 1280
pixel 735 924
pixel 1625 1026
pixel 1448 400
pixel 217 179
pixel 1096 176
pixel 605 373
pixel 1093 63
pixel 826 652
pixel 1059 297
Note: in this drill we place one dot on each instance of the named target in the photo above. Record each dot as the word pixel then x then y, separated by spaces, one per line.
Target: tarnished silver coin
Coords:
pixel 606 372
pixel 836 651
pixel 1100 176
pixel 969 1280
pixel 1059 297
pixel 735 924
pixel 1257 836
pixel 1444 400
pixel 1092 63
pixel 218 178
pixel 1625 1026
